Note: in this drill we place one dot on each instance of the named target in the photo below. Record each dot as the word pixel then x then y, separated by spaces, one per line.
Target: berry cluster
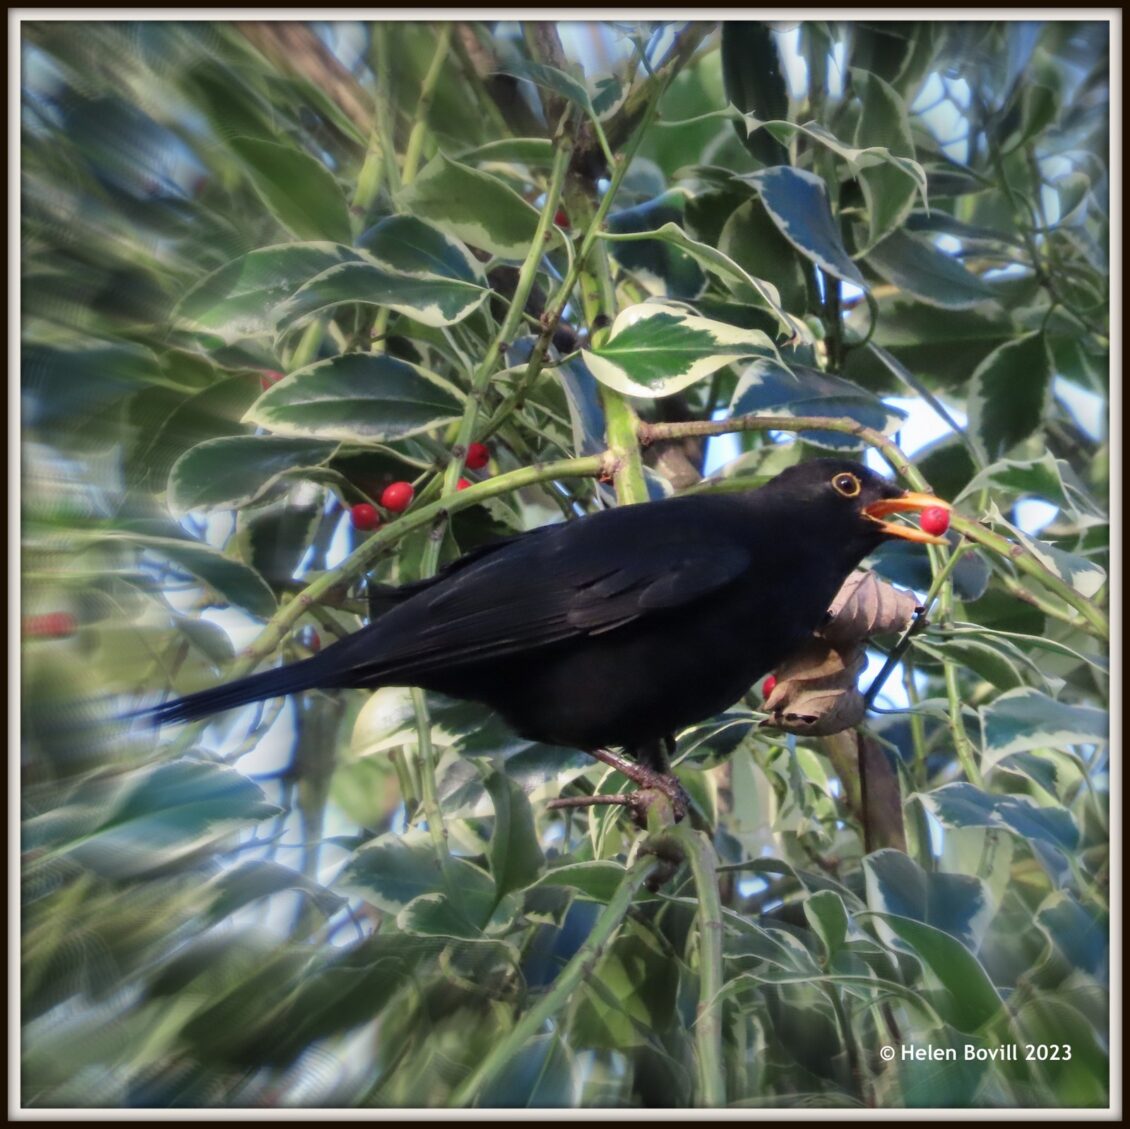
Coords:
pixel 397 496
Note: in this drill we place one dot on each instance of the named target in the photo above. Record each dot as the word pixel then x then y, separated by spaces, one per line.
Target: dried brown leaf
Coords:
pixel 816 692
pixel 867 606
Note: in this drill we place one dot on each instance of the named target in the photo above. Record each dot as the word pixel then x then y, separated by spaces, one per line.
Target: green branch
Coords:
pixel 512 322
pixel 423 104
pixel 384 122
pixel 621 424
pixel 708 1016
pixel 556 305
pixel 571 978
pixel 651 432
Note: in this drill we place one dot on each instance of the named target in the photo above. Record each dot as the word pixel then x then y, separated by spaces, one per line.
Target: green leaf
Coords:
pixel 608 96
pixel 828 919
pixel 212 413
pixel 629 998
pixel 542 1075
pixel 752 242
pixel 239 299
pixel 658 350
pixel 798 204
pixel 1051 832
pixel 1083 1080
pixel 153 817
pixel 971 1002
pixel 664 267
pixel 436 915
pixel 392 871
pixel 889 189
pixel 429 299
pixel 260 878
pixel 299 191
pixel 918 267
pixel 520 150
pixel 273 537
pixel 768 387
pixel 857 160
pixel 755 84
pixel 232 472
pixel 461 911
pixel 473 206
pixel 516 859
pixel 752 290
pixel 598 880
pixel 981 657
pixel 1027 719
pixel 1046 477
pixel 552 78
pixel 411 246
pixel 1086 577
pixel 360 397
pixel 956 903
pixel 241 586
pixel 1008 394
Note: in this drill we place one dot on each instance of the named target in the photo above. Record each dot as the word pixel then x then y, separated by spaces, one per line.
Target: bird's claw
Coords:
pixel 656 792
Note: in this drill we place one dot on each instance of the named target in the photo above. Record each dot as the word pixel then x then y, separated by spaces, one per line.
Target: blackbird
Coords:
pixel 621 627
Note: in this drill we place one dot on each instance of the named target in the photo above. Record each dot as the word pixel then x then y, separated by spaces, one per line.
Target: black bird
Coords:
pixel 623 626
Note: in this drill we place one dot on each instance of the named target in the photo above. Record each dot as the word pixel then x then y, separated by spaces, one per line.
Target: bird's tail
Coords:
pixel 254 688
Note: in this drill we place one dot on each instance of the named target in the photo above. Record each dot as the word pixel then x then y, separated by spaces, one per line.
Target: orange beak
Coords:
pixel 906 503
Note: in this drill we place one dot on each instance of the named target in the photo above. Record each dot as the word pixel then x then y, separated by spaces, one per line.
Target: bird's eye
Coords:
pixel 847 485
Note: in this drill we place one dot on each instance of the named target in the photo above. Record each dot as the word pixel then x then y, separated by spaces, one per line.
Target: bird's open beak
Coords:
pixel 906 503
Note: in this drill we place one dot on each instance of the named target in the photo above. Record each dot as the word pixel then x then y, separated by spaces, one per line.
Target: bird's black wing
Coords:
pixel 542 590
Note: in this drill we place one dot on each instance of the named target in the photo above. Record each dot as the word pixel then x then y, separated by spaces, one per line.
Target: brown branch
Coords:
pixel 296 47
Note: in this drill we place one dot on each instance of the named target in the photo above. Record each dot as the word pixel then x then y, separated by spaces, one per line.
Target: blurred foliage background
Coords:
pixel 269 268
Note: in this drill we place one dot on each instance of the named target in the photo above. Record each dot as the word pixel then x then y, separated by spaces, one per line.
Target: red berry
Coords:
pixel 365 516
pixel 935 520
pixel 768 685
pixel 478 455
pixel 269 377
pixel 561 218
pixel 55 625
pixel 462 484
pixel 397 497
pixel 309 639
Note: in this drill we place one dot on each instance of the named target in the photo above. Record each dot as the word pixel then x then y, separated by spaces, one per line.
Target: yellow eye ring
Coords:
pixel 847 485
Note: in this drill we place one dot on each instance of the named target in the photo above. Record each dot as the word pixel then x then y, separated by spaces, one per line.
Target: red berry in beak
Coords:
pixel 935 520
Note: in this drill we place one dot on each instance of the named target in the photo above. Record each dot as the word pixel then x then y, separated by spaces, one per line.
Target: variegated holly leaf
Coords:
pixel 658 349
pixel 756 291
pixel 797 202
pixel 473 206
pixel 412 246
pixel 429 299
pixel 238 300
pixel 357 397
pixel 918 267
pixel 857 158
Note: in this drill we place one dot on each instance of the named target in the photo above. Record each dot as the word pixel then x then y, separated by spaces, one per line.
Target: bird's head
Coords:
pixel 849 504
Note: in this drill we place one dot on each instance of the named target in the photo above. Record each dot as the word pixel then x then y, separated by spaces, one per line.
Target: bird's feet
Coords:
pixel 654 791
